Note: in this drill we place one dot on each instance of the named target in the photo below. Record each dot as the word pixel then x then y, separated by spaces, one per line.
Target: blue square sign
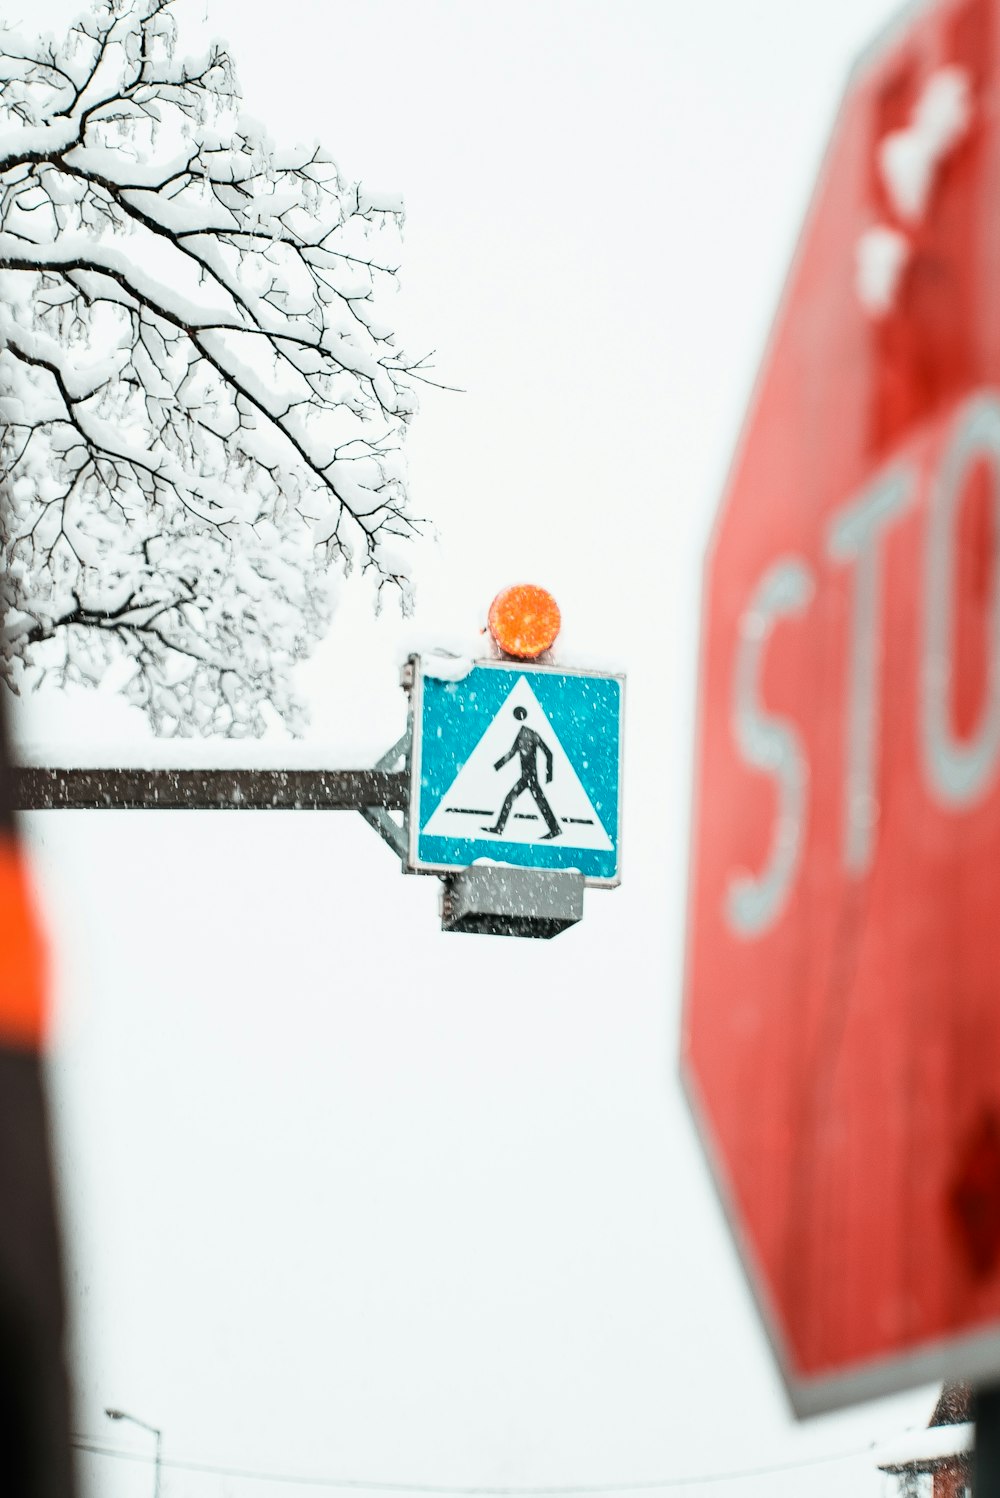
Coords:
pixel 516 764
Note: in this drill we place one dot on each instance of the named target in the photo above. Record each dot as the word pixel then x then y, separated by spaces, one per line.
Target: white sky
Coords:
pixel 348 1197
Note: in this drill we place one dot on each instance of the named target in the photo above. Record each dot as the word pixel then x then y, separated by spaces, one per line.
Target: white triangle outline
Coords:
pixel 472 803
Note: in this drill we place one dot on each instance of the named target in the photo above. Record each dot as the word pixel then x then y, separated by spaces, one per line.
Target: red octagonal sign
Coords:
pixel 842 1014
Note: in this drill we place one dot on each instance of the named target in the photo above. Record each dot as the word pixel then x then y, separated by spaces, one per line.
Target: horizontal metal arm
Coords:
pixel 37 789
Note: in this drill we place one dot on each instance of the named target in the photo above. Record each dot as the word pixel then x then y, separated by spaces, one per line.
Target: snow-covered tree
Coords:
pixel 201 403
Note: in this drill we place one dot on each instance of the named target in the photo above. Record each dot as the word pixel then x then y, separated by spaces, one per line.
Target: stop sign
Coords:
pixel 842 1011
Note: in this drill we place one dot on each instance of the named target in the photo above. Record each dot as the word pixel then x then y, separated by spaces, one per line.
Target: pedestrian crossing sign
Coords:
pixel 514 763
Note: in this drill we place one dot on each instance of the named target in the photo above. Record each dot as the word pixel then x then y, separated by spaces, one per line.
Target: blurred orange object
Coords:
pixel 524 621
pixel 22 966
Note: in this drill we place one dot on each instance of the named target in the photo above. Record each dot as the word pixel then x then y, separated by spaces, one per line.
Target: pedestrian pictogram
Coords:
pixel 517 764
pixel 527 747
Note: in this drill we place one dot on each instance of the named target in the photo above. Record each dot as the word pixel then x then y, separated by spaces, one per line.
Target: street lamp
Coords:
pixel 134 1420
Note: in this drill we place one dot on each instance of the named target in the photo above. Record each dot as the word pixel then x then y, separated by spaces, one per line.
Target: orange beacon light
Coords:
pixel 524 621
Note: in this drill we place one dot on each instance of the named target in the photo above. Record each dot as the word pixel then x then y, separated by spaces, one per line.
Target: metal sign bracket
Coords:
pixel 396 834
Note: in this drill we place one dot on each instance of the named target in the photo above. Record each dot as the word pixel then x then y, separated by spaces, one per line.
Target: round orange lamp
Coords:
pixel 524 621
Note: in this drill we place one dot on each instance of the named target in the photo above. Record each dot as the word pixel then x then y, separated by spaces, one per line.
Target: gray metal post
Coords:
pixel 986 1461
pixel 154 1430
pixel 49 789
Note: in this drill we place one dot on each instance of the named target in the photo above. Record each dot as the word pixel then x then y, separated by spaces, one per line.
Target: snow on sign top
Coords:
pixel 516 764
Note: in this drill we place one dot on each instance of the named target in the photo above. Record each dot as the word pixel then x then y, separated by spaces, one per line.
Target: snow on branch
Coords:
pixel 201 404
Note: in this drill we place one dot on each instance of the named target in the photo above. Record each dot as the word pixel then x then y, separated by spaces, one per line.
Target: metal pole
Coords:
pixel 38 789
pixel 154 1430
pixel 986 1461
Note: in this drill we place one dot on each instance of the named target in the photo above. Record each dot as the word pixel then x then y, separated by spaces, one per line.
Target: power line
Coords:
pixel 354 1484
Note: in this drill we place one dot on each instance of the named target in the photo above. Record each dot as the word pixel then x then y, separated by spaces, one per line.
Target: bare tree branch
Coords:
pixel 201 404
